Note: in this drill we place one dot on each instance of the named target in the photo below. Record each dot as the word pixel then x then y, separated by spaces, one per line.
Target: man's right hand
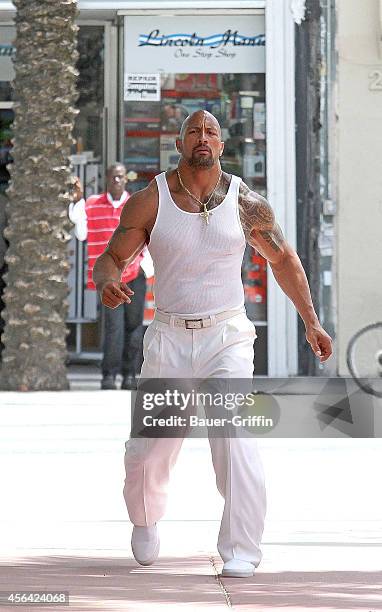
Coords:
pixel 113 293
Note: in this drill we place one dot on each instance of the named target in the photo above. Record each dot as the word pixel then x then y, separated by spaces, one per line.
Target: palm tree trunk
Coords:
pixel 37 284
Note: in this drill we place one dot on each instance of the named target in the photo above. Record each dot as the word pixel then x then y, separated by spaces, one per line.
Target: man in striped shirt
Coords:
pixel 95 220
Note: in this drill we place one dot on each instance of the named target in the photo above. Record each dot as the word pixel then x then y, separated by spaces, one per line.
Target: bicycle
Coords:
pixel 364 358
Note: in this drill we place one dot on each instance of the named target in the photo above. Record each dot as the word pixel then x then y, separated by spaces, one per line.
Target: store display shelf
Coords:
pixel 143 133
pixel 143 160
pixel 148 133
pixel 210 94
pixel 132 119
pixel 147 174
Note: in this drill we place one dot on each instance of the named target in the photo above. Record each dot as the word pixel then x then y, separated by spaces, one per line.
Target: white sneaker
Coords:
pixel 145 544
pixel 235 568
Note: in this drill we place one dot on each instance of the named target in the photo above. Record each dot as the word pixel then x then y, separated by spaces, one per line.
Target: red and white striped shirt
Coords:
pixel 102 219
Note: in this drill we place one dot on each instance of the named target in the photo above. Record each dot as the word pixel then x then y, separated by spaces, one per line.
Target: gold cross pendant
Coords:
pixel 206 214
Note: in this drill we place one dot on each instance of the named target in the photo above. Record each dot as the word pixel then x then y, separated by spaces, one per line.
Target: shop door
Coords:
pixel 90 158
pixel 217 65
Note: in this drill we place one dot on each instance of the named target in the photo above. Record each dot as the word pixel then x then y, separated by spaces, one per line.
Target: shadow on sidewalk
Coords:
pixel 331 590
pixel 120 584
pixel 114 584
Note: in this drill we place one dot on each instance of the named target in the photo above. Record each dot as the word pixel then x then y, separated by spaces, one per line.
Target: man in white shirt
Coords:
pixel 197 220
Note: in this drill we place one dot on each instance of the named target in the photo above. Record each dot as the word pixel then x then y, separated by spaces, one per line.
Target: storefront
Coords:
pixel 173 67
pixel 144 66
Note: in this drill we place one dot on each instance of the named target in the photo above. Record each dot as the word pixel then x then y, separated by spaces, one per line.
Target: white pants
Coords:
pixel 224 350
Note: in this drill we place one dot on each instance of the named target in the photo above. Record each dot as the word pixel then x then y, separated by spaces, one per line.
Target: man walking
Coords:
pixel 95 220
pixel 197 220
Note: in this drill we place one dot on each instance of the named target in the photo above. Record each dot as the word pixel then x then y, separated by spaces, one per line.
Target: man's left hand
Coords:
pixel 320 341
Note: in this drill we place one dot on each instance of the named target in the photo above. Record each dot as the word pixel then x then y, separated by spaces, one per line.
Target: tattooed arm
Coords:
pixel 264 234
pixel 137 219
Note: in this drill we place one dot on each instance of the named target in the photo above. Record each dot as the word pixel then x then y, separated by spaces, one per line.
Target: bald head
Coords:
pixel 199 142
pixel 198 117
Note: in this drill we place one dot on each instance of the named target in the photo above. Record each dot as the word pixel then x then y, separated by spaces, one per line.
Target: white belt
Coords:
pixel 197 323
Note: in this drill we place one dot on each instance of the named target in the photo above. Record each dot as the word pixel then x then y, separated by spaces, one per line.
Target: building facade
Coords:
pixel 144 65
pixel 359 133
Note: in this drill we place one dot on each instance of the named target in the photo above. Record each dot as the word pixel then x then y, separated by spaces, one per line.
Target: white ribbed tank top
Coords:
pixel 197 266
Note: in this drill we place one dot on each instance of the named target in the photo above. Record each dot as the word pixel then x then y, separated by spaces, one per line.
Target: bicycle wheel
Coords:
pixel 364 358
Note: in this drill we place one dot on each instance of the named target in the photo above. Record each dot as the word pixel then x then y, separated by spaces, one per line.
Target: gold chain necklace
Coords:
pixel 206 213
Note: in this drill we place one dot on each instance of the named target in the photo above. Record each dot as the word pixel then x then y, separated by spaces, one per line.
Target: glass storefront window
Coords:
pixel 88 130
pixel 237 101
pixel 158 97
pixel 88 165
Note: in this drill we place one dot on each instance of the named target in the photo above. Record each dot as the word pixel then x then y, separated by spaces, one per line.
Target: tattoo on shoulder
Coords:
pixel 274 237
pixel 255 212
pixel 257 215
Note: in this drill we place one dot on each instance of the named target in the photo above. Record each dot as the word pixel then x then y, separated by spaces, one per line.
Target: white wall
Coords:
pixel 359 168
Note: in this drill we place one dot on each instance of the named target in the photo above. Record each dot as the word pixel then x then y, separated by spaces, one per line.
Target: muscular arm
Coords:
pixel 264 234
pixel 126 243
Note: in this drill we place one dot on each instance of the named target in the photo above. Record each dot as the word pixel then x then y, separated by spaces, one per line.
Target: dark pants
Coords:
pixel 123 333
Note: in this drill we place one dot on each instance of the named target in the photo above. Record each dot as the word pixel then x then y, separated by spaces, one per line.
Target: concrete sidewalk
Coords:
pixel 321 577
pixel 192 583
pixel 63 523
